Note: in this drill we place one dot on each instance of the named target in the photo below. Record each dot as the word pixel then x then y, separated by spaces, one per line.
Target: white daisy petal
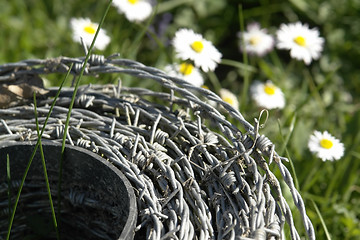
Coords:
pixel 192 46
pixel 304 43
pixel 256 40
pixel 267 95
pixel 325 146
pixel 85 29
pixel 229 97
pixel 134 10
pixel 187 72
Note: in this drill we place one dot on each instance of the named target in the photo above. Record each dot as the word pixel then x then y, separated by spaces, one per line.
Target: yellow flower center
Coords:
pixel 90 29
pixel 300 41
pixel 269 89
pixel 326 143
pixel 254 40
pixel 186 68
pixel 197 46
pixel 229 100
pixel 133 1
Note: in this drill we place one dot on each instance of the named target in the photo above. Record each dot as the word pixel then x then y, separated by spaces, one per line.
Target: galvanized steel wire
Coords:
pixel 196 175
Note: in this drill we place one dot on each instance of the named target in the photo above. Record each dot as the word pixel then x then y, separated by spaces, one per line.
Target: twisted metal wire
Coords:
pixel 192 182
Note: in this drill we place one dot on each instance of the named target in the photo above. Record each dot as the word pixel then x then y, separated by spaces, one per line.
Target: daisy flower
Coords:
pixel 134 10
pixel 190 45
pixel 83 27
pixel 267 95
pixel 229 97
pixel 256 41
pixel 326 146
pixel 186 71
pixel 304 43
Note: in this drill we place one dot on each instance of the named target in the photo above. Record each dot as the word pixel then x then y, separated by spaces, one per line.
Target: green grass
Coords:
pixel 39 145
pixel 12 210
pixel 55 222
pixel 322 96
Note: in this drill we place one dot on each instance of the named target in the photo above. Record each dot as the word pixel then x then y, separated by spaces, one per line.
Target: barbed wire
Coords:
pixel 196 175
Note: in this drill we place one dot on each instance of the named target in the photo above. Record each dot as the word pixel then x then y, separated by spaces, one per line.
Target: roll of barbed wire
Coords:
pixel 195 174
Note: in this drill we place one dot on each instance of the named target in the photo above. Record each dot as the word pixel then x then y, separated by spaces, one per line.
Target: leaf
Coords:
pixel 25 90
pixel 13 92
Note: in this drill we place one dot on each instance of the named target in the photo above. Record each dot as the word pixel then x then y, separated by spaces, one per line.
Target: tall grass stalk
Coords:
pixel 45 171
pixel 166 6
pixel 134 48
pixel 245 88
pixel 327 234
pixel 33 154
pixel 214 81
pixel 239 65
pixel 284 148
pixel 8 176
pixel 71 106
pixel 336 181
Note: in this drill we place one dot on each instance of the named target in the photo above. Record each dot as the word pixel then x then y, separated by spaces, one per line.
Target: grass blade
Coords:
pixel 327 234
pixel 241 66
pixel 214 81
pixel 288 136
pixel 243 102
pixel 134 48
pixel 33 154
pixel 71 106
pixel 284 148
pixel 45 171
pixel 8 176
pixel 166 6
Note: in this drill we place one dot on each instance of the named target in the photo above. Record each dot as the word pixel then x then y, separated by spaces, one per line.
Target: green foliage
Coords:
pixel 322 96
